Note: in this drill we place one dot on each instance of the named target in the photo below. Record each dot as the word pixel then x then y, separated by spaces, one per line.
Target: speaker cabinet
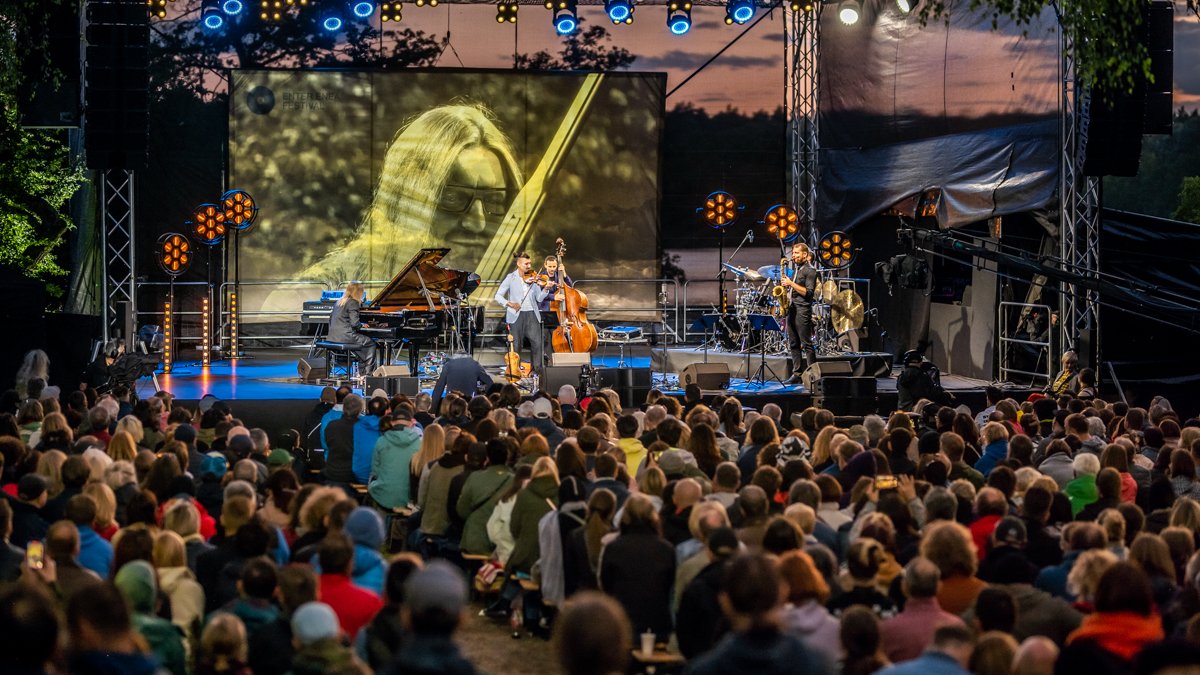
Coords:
pixel 312 368
pixel 632 384
pixel 845 405
pixel 570 359
pixel 825 369
pixel 848 387
pixel 707 375
pixel 391 371
pixel 556 376
pixel 409 386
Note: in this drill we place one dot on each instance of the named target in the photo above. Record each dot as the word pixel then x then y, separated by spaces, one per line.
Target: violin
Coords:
pixel 532 277
pixel 574 332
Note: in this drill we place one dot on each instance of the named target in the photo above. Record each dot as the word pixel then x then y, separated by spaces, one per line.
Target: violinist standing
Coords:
pixel 521 300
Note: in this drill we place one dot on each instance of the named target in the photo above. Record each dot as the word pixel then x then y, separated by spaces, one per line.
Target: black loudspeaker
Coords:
pixel 116 118
pixel 312 368
pixel 844 387
pixel 557 376
pixel 409 386
pixel 842 405
pixel 820 369
pixel 1160 18
pixel 632 384
pixel 707 375
pixel 52 102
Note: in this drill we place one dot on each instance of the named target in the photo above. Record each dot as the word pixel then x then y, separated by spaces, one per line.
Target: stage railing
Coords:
pixel 1007 343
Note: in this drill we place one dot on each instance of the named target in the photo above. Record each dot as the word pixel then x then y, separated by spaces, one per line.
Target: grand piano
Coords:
pixel 412 308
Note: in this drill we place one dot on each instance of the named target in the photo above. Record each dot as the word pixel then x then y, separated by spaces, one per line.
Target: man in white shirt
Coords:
pixel 521 301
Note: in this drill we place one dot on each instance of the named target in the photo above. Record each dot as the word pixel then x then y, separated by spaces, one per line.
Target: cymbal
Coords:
pixel 743 272
pixel 846 311
pixel 827 290
pixel 769 271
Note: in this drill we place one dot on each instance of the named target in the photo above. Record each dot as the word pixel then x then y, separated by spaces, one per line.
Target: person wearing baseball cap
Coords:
pixel 27 521
pixel 541 413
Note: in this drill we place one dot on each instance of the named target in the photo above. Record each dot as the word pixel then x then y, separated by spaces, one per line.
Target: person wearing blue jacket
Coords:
pixel 995 450
pixel 364 526
pixel 366 434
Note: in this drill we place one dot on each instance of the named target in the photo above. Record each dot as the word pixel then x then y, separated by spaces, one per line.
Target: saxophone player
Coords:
pixel 801 282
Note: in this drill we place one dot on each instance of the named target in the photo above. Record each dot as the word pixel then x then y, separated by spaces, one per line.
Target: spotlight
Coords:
pixel 782 223
pixel 213 19
pixel 618 11
pixel 835 250
pixel 332 23
pixel 802 5
pixel 739 11
pixel 506 11
pixel 422 3
pixel 174 254
pixel 391 11
pixel 679 16
pixel 158 8
pixel 849 12
pixel 232 7
pixel 720 210
pixel 905 6
pixel 362 9
pixel 272 10
pixel 565 18
pixel 239 209
pixel 208 224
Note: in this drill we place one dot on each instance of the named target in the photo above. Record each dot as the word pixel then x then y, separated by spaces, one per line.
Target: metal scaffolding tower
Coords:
pixel 119 277
pixel 801 49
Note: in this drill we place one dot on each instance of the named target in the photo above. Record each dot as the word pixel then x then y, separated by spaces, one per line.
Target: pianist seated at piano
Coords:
pixel 344 325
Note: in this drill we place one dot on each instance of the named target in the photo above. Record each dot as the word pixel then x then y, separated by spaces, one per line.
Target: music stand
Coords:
pixel 767 324
pixel 705 323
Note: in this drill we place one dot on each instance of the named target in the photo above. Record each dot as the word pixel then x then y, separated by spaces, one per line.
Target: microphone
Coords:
pixel 750 236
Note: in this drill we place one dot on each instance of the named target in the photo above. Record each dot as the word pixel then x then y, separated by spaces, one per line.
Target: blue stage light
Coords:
pixel 362 9
pixel 618 10
pixel 739 11
pixel 213 19
pixel 332 23
pixel 565 24
pixel 679 16
pixel 232 7
pixel 680 25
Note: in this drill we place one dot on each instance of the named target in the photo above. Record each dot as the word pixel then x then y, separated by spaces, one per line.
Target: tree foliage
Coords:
pixel 37 176
pixel 1189 201
pixel 585 49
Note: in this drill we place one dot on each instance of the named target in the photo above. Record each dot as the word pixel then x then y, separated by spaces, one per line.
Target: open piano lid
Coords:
pixel 405 290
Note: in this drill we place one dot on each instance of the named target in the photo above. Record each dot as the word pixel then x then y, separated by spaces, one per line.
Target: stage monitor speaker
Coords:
pixel 570 359
pixel 816 371
pixel 846 405
pixel 631 384
pixel 707 375
pixel 393 385
pixel 844 387
pixel 391 371
pixel 557 376
pixel 312 368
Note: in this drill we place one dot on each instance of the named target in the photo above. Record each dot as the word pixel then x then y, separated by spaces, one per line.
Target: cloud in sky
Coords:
pixel 688 60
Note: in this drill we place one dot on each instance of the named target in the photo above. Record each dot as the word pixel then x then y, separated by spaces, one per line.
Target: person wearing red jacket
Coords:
pixel 354 606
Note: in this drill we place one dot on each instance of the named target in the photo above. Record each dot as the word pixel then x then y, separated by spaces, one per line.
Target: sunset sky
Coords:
pixel 749 76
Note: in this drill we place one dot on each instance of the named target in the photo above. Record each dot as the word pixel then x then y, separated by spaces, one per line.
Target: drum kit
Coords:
pixel 837 312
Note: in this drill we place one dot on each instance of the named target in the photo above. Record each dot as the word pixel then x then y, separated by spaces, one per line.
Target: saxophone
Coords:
pixel 781 293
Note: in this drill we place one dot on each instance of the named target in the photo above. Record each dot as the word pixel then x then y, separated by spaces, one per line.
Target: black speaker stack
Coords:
pixel 632 384
pixel 835 387
pixel 394 384
pixel 117 76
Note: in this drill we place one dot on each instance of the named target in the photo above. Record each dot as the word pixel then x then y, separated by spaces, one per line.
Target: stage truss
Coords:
pixel 117 239
pixel 801 97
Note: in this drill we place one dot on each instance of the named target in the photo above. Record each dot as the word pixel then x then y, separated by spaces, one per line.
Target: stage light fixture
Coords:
pixel 233 326
pixel 506 11
pixel 782 223
pixel 205 334
pixel 720 210
pixel 679 16
pixel 239 209
pixel 361 8
pixel 208 224
pixel 157 8
pixel 214 18
pixel 391 11
pixel 802 5
pixel 849 12
pixel 739 11
pixel 168 338
pixel 332 23
pixel 836 250
pixel 272 10
pixel 174 254
pixel 565 18
pixel 905 6
pixel 422 3
pixel 233 7
pixel 618 11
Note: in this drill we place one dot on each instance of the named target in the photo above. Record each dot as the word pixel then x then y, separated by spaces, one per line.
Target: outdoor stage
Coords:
pixel 266 391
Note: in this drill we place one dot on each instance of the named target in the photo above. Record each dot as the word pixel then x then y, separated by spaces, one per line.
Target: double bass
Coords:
pixel 574 333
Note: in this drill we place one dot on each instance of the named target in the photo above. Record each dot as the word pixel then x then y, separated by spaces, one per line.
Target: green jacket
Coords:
pixel 531 505
pixel 390 470
pixel 435 506
pixel 165 640
pixel 480 493
pixel 320 656
pixel 1081 491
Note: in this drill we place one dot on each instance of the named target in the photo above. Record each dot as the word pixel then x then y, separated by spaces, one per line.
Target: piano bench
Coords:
pixel 337 353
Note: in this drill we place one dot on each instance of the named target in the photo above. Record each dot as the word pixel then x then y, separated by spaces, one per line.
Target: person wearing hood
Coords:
pixel 1124 620
pixel 365 529
pixel 139 586
pixel 479 496
pixel 102 636
pixel 995 449
pixel 317 635
pixel 752 596
pixel 391 457
pixel 435 600
pixel 366 434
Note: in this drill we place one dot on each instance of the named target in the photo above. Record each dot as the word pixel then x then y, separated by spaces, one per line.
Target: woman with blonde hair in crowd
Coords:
pixel 49 466
pixel 106 508
pixel 505 421
pixel 223 647
pixel 949 546
pixel 123 447
pixel 822 448
pixel 433 446
pixel 55 434
pixel 178 584
pixel 1085 575
pixel 133 426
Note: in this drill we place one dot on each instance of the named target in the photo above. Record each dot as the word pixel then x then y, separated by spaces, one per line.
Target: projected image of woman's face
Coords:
pixel 472 204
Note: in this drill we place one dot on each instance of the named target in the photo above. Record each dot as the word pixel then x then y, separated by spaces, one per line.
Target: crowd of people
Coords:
pixel 1035 536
